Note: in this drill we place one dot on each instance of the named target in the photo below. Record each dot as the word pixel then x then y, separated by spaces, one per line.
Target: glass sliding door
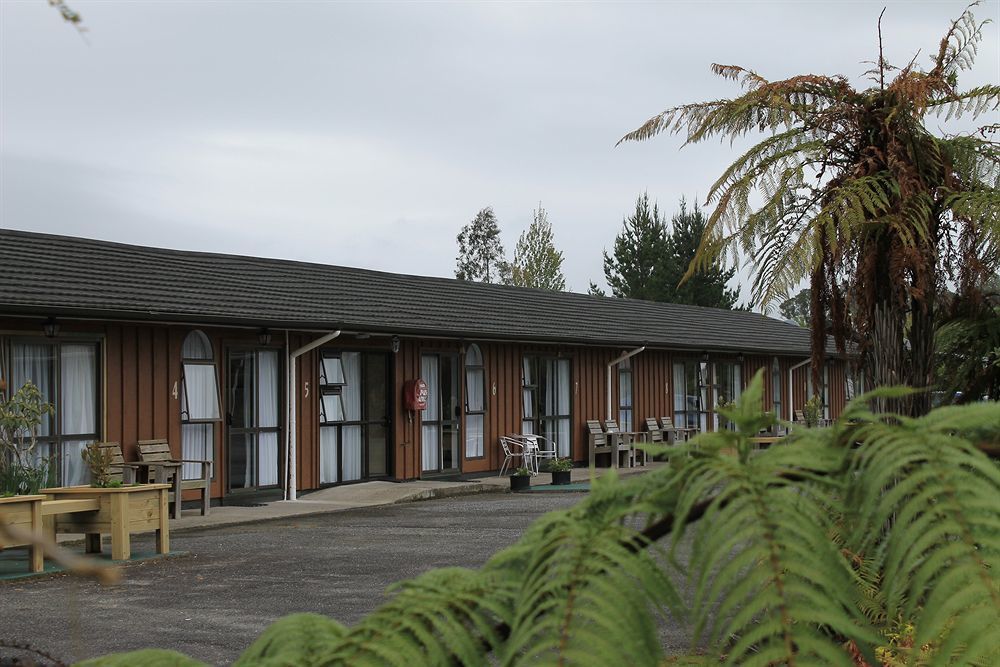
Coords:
pixel 354 417
pixel 690 394
pixel 728 387
pixel 545 401
pixel 252 417
pixel 441 425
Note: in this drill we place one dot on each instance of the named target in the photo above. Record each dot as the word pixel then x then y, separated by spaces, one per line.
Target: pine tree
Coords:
pixel 633 270
pixel 537 263
pixel 708 286
pixel 798 307
pixel 480 253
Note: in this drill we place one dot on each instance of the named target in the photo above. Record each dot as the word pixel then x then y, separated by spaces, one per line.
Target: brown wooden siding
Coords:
pixel 142 368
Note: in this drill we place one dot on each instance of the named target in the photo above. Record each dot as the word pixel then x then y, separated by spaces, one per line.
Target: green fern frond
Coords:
pixel 926 504
pixel 299 639
pixel 585 596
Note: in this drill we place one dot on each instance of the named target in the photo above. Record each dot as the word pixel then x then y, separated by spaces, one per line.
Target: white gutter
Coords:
pixel 292 392
pixel 791 401
pixel 614 362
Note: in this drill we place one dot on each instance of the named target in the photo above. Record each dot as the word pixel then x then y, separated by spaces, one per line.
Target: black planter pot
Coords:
pixel 520 482
pixel 560 477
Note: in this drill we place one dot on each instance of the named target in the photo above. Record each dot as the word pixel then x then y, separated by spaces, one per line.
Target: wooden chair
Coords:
pixel 597 442
pixel 673 433
pixel 620 442
pixel 165 469
pixel 655 432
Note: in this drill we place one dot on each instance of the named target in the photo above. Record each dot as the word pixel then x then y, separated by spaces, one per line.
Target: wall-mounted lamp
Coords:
pixel 394 345
pixel 704 356
pixel 264 337
pixel 739 358
pixel 50 327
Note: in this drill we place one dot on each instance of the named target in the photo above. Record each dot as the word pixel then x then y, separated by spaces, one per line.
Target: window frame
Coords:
pixel 626 423
pixel 466 367
pixel 537 402
pixel 57 438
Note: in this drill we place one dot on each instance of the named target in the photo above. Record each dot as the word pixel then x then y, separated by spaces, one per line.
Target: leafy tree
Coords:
pixel 595 290
pixel 633 271
pixel 707 287
pixel 797 308
pixel 480 253
pixel 537 263
pixel 813 552
pixel 855 189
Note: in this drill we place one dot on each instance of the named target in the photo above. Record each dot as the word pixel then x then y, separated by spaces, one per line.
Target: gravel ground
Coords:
pixel 237 580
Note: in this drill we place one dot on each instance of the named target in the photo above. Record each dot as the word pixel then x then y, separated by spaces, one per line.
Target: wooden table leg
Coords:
pixel 121 548
pixel 178 473
pixel 36 555
pixel 93 543
pixel 163 532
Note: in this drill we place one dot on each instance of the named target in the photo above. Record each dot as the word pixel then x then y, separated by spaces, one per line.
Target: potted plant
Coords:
pixel 561 470
pixel 811 411
pixel 520 480
pixel 21 471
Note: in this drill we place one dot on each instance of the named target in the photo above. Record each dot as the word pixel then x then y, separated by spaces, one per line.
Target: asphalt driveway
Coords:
pixel 237 580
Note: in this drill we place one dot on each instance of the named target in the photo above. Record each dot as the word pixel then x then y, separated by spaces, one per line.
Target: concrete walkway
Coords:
pixel 355 496
pixel 365 494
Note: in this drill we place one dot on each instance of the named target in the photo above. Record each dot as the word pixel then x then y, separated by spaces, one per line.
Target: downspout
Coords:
pixel 292 392
pixel 791 395
pixel 614 362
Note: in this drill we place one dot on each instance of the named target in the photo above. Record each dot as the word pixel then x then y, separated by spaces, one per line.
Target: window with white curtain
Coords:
pixel 200 405
pixel 728 386
pixel 625 418
pixel 67 375
pixel 475 402
pixel 546 400
pixel 776 385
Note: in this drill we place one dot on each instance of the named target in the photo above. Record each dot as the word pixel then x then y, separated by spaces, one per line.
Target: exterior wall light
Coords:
pixel 394 345
pixel 50 327
pixel 264 337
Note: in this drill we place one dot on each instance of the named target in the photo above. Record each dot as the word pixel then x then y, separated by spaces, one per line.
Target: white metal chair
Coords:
pixel 532 447
pixel 512 449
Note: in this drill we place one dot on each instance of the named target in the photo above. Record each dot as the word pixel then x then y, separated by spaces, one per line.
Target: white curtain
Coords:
pixel 475 387
pixel 350 444
pixel 74 470
pixel 196 346
pixel 198 443
pixel 474 436
pixel 351 447
pixel 267 417
pixel 78 406
pixel 430 440
pixel 34 363
pixel 328 455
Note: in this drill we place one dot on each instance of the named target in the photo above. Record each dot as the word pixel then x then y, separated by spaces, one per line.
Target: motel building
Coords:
pixel 292 376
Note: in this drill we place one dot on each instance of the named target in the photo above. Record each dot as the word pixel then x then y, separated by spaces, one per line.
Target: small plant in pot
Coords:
pixel 99 460
pixel 520 480
pixel 22 471
pixel 561 470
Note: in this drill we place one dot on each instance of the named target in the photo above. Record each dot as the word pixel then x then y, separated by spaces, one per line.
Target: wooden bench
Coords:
pixel 24 514
pixel 163 468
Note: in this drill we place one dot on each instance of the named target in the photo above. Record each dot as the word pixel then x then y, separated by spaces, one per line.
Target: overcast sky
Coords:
pixel 368 134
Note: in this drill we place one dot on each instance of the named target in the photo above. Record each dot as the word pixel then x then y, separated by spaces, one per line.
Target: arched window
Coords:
pixel 200 405
pixel 625 420
pixel 475 402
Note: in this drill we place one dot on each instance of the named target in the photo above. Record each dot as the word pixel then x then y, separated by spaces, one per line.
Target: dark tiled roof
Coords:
pixel 64 276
